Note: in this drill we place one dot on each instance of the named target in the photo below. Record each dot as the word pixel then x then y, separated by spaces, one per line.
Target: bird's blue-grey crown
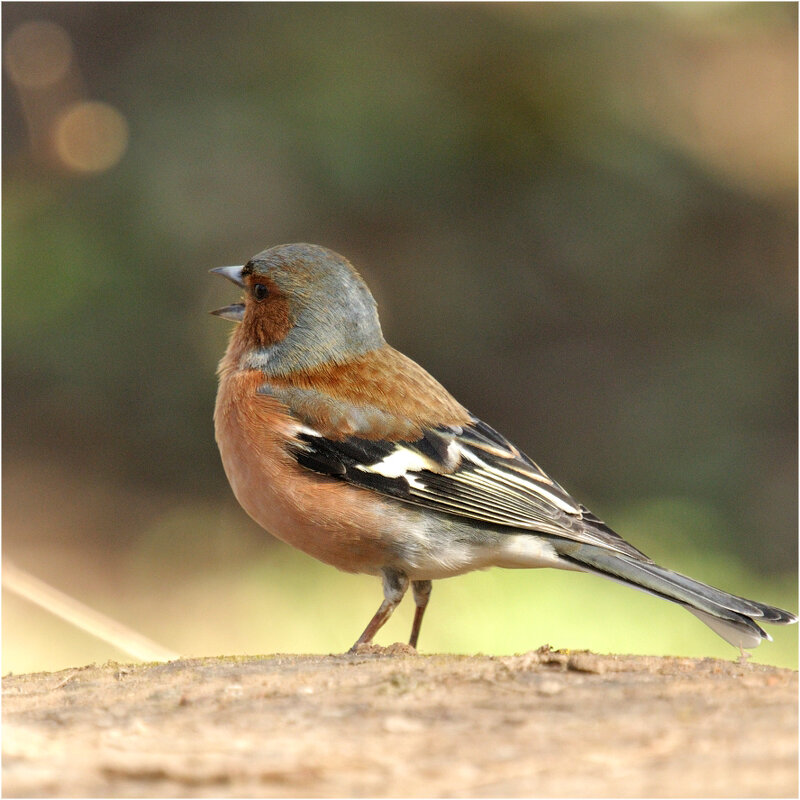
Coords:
pixel 334 315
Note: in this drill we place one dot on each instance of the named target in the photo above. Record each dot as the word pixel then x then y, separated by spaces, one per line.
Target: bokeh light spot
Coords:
pixel 91 137
pixel 38 54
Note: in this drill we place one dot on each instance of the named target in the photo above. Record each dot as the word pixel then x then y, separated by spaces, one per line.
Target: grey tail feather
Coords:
pixel 731 617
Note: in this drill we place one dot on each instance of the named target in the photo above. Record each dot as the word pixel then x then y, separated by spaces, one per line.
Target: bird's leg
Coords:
pixel 395 585
pixel 422 593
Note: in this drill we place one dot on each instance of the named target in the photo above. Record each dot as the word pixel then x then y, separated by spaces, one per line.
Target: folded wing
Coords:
pixel 468 471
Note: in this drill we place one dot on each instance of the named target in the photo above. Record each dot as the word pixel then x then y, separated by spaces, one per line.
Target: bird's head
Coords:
pixel 303 305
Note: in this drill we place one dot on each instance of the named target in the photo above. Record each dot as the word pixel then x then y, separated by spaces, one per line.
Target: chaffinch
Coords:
pixel 343 447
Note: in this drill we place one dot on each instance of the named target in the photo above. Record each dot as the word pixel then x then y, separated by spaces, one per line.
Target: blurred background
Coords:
pixel 582 218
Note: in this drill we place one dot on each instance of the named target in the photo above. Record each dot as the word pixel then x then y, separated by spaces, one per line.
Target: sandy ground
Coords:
pixel 388 722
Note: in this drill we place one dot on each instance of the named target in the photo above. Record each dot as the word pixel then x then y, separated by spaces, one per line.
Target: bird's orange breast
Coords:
pixel 336 523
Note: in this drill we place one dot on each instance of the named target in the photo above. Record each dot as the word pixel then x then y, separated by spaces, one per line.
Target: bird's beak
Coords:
pixel 235 311
pixel 233 274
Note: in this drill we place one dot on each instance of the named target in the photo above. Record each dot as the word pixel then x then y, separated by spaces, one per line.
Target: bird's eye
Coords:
pixel 260 291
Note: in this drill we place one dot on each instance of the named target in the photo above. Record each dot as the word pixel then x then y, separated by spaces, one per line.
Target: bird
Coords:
pixel 343 447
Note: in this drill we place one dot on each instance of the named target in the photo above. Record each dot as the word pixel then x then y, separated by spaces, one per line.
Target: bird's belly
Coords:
pixel 449 546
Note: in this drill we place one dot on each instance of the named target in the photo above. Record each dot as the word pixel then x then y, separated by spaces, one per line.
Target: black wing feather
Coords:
pixel 469 472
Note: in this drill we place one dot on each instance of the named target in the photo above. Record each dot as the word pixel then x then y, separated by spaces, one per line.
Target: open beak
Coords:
pixel 235 311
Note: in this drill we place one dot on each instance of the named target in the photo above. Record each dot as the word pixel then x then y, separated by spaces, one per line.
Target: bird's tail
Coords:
pixel 733 618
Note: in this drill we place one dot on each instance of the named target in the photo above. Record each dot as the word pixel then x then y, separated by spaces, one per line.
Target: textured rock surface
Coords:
pixel 388 722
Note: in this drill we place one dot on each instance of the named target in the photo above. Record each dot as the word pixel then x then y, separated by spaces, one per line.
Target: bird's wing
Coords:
pixel 467 471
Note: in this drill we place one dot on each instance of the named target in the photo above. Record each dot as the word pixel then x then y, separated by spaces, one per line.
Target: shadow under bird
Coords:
pixel 341 446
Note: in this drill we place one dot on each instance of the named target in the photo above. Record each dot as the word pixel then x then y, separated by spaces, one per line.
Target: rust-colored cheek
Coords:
pixel 267 322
